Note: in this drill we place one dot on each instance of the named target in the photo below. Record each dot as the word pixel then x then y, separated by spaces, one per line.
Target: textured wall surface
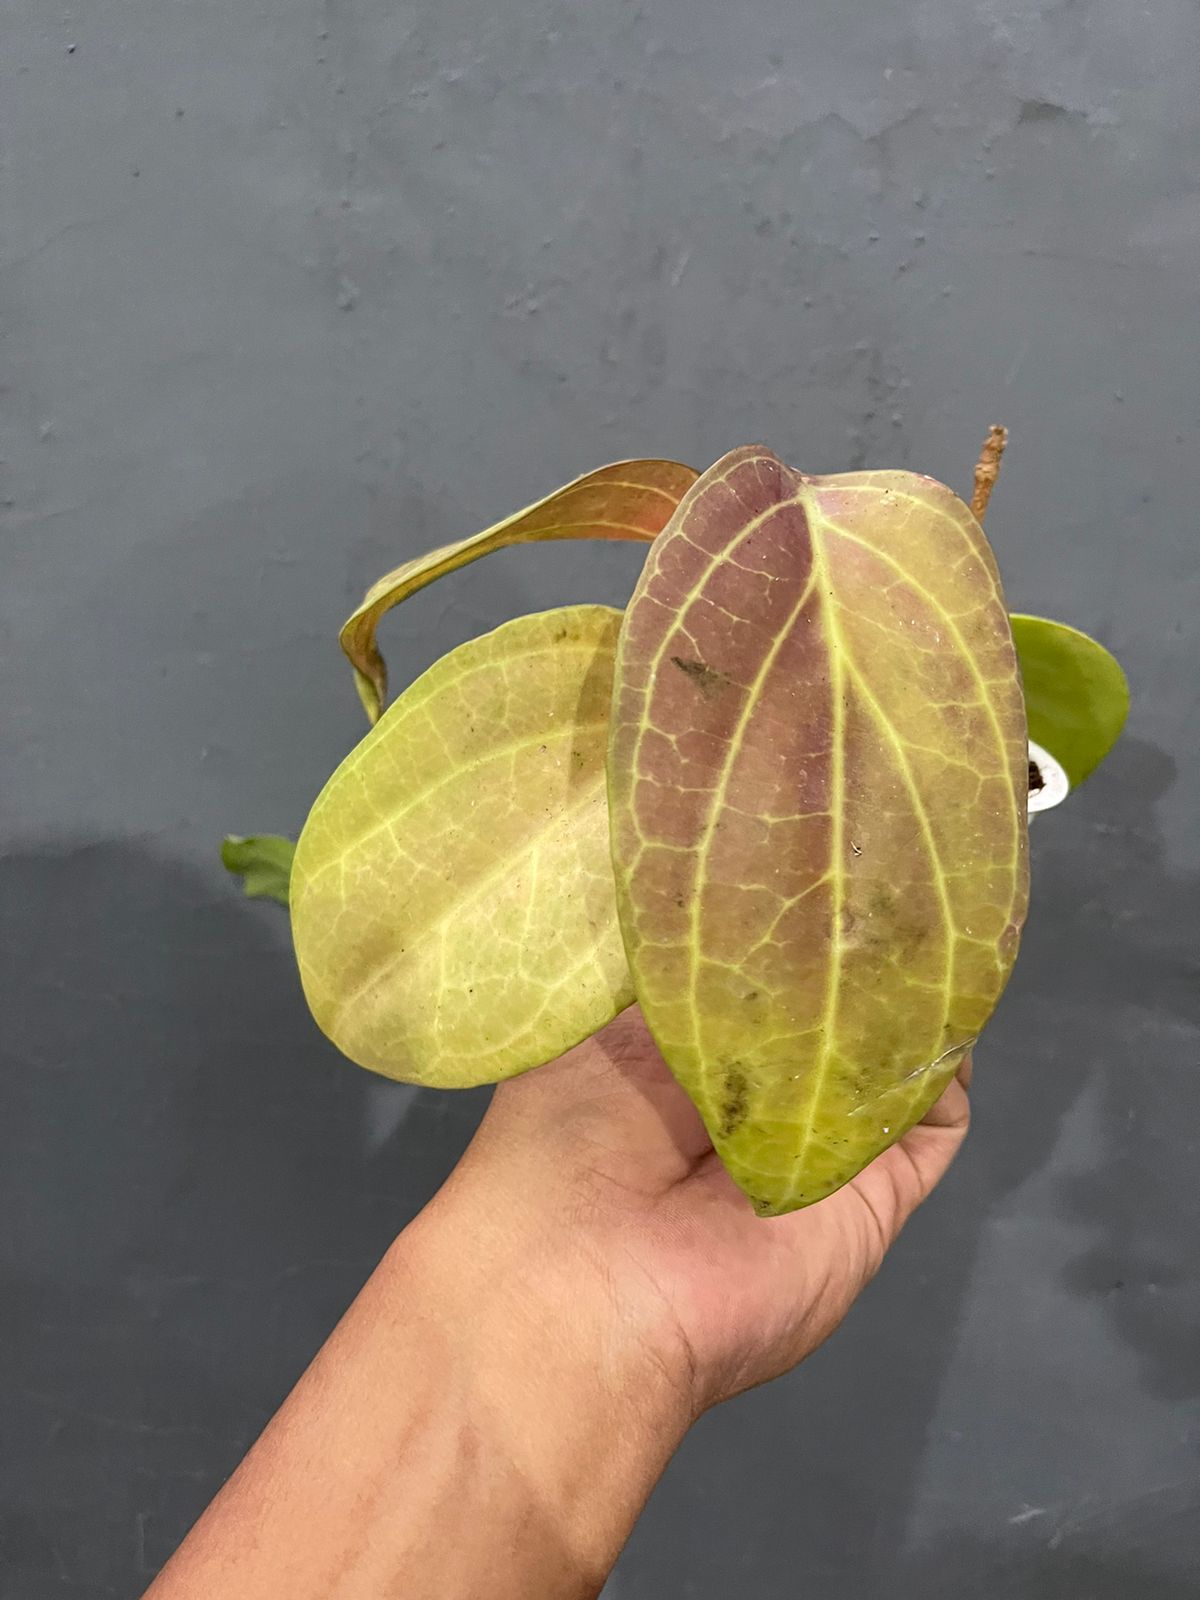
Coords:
pixel 291 290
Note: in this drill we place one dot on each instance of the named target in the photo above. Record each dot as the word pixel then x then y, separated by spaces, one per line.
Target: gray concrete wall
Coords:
pixel 289 291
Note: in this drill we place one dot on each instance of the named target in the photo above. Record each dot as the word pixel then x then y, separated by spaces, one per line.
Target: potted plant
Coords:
pixel 780 802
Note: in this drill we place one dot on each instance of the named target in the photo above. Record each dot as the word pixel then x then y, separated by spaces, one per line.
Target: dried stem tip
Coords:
pixel 987 469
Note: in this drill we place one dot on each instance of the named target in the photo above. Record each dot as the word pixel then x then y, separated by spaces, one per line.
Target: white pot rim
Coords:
pixel 1056 786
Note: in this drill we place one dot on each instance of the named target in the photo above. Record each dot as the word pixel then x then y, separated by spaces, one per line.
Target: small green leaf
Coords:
pixel 1076 696
pixel 453 907
pixel 628 500
pixel 263 862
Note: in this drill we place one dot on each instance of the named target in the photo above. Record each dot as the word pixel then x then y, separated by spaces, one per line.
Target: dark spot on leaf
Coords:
pixel 890 928
pixel 735 1101
pixel 707 679
pixel 560 636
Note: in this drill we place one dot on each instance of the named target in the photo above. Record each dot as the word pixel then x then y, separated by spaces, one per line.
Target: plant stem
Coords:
pixel 987 469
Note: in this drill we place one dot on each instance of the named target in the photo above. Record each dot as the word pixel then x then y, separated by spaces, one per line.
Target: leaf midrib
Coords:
pixel 732 751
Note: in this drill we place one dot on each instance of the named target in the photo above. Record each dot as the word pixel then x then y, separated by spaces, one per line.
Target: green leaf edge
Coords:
pixel 1107 677
pixel 263 861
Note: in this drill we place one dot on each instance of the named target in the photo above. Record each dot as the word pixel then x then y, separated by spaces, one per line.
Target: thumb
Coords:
pixel 901 1177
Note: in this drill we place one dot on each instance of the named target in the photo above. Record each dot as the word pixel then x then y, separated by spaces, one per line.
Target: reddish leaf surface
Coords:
pixel 817 774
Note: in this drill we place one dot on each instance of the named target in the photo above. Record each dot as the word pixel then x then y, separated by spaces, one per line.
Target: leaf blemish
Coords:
pixel 707 679
pixel 735 1101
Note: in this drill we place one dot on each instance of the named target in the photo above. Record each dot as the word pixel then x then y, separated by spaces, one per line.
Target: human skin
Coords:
pixel 492 1412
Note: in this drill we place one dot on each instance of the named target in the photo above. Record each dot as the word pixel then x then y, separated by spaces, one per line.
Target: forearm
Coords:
pixel 492 1412
pixel 477 1424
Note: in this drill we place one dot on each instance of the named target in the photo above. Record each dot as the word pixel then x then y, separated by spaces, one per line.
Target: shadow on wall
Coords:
pixel 1126 980
pixel 194 1186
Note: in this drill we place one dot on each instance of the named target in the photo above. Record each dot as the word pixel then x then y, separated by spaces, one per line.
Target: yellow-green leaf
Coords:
pixel 452 895
pixel 818 780
pixel 628 500
pixel 263 861
pixel 1076 696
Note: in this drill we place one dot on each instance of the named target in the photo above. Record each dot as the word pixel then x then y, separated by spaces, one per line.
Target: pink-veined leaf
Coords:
pixel 817 787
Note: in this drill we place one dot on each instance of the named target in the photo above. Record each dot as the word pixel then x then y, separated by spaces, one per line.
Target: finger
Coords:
pixel 614 1095
pixel 930 1147
pixel 952 1108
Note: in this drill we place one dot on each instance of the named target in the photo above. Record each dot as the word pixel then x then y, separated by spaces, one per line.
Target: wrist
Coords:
pixel 572 1405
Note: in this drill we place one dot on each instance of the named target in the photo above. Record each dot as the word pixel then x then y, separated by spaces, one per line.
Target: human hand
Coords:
pixel 603 1157
pixel 494 1409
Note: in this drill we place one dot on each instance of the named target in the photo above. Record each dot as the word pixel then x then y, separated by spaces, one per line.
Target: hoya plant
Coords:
pixel 780 802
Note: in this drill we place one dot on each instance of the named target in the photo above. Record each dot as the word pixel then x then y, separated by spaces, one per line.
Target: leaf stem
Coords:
pixel 987 469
